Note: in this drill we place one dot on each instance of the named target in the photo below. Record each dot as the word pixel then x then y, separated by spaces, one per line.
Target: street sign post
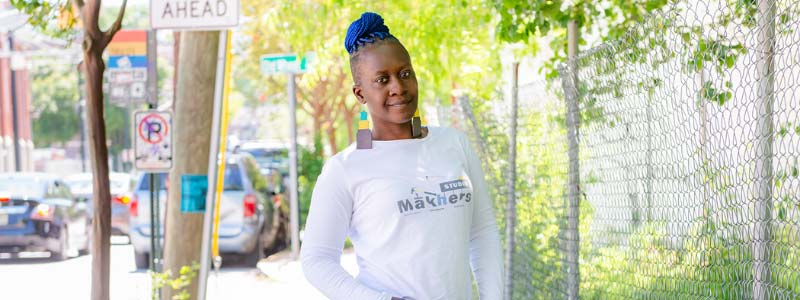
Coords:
pixel 127 67
pixel 274 64
pixel 194 14
pixel 153 141
pixel 291 65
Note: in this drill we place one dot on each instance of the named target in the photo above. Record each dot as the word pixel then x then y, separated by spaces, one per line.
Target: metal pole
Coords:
pixel 511 201
pixel 152 70
pixel 155 189
pixel 763 166
pixel 214 160
pixel 294 216
pixel 650 174
pixel 570 80
pixel 152 222
pixel 14 113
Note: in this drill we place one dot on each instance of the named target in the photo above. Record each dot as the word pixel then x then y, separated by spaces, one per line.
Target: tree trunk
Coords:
pixel 332 138
pixel 194 107
pixel 101 219
pixel 349 120
pixel 176 54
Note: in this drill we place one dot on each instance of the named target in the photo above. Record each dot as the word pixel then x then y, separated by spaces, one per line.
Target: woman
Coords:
pixel 412 200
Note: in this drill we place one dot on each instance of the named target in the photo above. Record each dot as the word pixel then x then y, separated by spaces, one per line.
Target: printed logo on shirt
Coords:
pixel 452 194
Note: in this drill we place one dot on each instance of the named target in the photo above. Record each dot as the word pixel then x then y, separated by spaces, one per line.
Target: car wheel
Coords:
pixel 142 260
pixel 272 232
pixel 63 246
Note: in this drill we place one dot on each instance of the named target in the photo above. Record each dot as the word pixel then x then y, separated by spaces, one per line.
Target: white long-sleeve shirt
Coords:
pixel 418 214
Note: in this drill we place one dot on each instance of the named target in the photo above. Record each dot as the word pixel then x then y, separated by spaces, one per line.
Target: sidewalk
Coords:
pixel 281 269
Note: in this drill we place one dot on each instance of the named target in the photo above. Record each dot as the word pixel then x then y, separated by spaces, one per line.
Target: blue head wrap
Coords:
pixel 364 31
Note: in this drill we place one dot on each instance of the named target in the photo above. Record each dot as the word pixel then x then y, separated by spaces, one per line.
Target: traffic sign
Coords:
pixel 194 14
pixel 128 43
pixel 127 67
pixel 153 141
pixel 272 64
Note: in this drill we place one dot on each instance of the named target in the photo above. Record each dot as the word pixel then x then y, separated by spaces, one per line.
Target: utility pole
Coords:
pixel 192 139
pixel 294 216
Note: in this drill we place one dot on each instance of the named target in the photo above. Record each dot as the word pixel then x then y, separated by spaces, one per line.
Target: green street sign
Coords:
pixel 273 64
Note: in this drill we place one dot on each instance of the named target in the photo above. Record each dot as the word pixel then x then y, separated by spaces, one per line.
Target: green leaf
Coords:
pixel 730 61
pixel 686 37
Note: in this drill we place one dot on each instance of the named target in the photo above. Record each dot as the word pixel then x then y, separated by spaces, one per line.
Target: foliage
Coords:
pixel 180 284
pixel 56 119
pixel 310 165
pixel 540 191
pixel 450 43
pixel 55 100
pixel 54 18
pixel 528 22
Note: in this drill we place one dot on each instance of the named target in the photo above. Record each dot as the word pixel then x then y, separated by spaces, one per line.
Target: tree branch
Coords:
pixel 90 14
pixel 108 35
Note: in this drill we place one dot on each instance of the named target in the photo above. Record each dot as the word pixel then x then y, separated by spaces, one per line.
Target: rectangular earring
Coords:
pixel 416 125
pixel 363 135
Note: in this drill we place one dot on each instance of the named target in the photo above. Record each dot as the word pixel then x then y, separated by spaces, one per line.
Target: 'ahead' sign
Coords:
pixel 194 14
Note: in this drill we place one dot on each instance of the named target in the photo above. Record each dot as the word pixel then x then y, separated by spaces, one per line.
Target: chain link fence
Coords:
pixel 684 142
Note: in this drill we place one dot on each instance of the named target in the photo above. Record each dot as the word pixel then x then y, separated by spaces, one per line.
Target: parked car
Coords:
pixel 39 213
pixel 247 220
pixel 269 155
pixel 273 161
pixel 82 186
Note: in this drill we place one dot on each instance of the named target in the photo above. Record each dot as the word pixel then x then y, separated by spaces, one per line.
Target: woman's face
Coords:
pixel 386 83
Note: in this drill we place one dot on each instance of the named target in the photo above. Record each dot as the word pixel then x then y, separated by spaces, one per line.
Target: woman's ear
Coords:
pixel 358 94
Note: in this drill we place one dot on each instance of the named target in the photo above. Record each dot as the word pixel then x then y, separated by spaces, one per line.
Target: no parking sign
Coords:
pixel 153 141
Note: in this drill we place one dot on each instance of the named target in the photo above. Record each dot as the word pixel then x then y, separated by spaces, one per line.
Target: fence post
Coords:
pixel 763 167
pixel 511 204
pixel 569 77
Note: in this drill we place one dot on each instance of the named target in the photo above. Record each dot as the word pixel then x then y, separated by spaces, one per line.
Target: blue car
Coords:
pixel 39 213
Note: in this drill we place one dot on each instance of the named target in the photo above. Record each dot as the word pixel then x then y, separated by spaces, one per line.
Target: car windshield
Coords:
pixel 21 187
pixel 233 178
pixel 271 158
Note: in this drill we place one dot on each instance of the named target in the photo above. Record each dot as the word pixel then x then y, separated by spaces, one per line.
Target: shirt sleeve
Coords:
pixel 486 258
pixel 323 239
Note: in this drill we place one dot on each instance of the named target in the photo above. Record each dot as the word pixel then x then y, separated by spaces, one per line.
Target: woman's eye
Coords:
pixel 405 74
pixel 382 80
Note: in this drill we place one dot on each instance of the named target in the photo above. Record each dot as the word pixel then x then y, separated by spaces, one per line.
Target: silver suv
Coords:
pixel 249 224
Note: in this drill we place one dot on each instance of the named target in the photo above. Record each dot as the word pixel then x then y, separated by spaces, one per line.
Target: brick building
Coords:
pixel 15 92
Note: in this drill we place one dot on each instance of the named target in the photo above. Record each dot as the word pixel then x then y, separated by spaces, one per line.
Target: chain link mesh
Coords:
pixel 688 140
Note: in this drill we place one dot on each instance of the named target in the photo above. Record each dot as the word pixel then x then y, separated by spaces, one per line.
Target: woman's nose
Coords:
pixel 396 87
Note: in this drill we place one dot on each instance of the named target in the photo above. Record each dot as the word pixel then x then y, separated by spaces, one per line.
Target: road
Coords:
pixel 31 277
